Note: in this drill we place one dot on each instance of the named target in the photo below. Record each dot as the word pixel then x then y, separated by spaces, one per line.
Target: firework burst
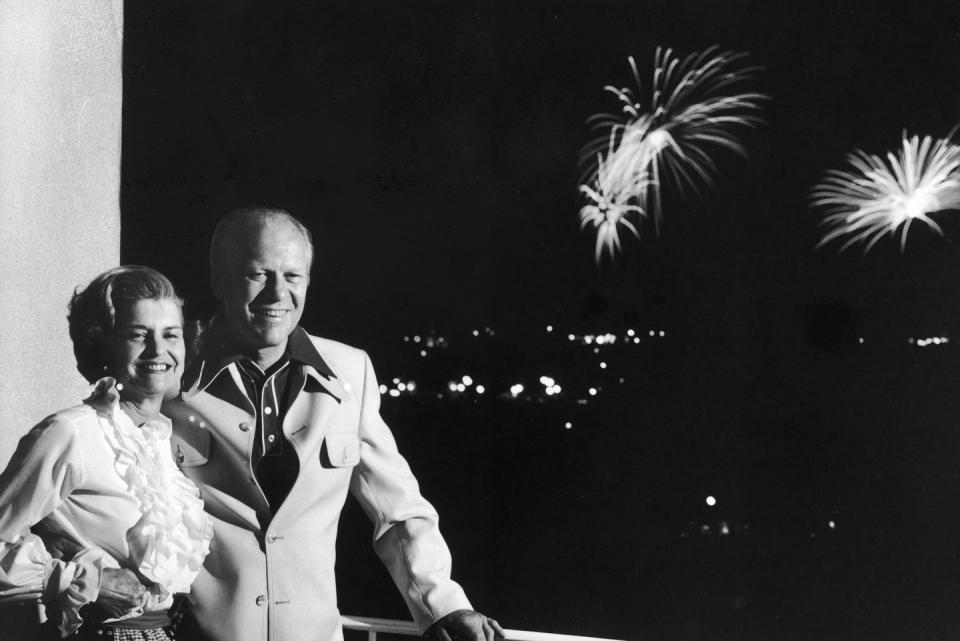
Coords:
pixel 607 214
pixel 693 108
pixel 878 196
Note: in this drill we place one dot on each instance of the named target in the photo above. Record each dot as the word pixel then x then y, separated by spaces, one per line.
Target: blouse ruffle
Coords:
pixel 170 540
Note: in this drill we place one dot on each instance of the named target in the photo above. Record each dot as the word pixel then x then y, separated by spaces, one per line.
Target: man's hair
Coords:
pixel 93 311
pixel 241 224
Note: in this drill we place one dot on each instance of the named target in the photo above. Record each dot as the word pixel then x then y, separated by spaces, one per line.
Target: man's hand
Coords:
pixel 464 625
pixel 120 591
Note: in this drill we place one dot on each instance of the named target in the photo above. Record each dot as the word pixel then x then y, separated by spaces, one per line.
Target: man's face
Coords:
pixel 262 286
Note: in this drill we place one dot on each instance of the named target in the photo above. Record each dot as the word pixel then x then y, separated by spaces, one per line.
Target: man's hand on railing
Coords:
pixel 464 625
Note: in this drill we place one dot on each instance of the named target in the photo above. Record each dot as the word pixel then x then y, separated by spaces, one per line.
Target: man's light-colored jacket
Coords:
pixel 277 583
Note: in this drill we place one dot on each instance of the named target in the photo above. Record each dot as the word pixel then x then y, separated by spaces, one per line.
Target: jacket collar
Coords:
pixel 217 353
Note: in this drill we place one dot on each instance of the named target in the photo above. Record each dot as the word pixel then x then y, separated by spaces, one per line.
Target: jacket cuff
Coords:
pixel 450 599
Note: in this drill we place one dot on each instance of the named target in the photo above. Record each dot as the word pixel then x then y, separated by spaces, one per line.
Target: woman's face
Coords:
pixel 148 349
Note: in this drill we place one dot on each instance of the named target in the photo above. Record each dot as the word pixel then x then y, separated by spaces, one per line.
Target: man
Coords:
pixel 276 426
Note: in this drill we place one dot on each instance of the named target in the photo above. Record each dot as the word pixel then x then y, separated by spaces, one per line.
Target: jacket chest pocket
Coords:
pixel 191 446
pixel 340 449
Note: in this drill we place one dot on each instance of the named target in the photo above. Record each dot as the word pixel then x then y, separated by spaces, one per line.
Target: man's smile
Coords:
pixel 269 312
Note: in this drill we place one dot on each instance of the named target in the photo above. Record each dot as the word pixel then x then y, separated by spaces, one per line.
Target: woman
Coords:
pixel 117 530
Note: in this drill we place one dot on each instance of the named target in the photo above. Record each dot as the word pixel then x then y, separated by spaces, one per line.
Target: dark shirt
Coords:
pixel 271 393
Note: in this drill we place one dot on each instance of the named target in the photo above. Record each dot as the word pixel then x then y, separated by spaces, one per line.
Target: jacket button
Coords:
pixel 261 600
pixel 244 427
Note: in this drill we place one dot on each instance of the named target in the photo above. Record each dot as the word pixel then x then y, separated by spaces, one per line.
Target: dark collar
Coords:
pixel 217 353
pixel 302 351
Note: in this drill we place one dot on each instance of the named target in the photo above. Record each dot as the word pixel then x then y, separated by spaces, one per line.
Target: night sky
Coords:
pixel 432 147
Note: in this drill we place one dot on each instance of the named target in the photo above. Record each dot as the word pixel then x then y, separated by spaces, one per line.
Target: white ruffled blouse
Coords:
pixel 97 492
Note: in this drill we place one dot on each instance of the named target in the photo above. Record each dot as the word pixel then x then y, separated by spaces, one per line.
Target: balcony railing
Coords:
pixel 373 626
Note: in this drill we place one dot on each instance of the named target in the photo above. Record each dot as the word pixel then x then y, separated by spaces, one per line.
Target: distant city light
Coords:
pixel 402 387
pixel 711 501
pixel 596 350
pixel 860 340
pixel 588 339
pixel 603 365
pixel 394 393
pixel 630 332
pixel 662 333
pixel 568 425
pixel 546 381
pixel 516 390
pixel 601 340
pixel 653 333
pixel 549 328
pixel 423 352
pixel 406 339
pixel 480 389
pixel 724 528
pixel 832 525
pixel 461 387
pixel 467 380
pixel 636 340
pixel 476 332
pixel 571 337
pixel 383 389
pixel 935 340
pixel 592 391
pixel 416 339
pixel 396 380
pixel 411 386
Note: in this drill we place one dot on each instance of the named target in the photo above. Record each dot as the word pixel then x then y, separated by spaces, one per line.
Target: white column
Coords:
pixel 60 107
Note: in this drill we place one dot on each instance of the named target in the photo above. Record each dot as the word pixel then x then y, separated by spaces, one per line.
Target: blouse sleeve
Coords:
pixel 45 468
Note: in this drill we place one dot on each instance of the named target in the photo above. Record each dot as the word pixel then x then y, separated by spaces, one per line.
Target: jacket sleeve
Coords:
pixel 46 467
pixel 406 533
